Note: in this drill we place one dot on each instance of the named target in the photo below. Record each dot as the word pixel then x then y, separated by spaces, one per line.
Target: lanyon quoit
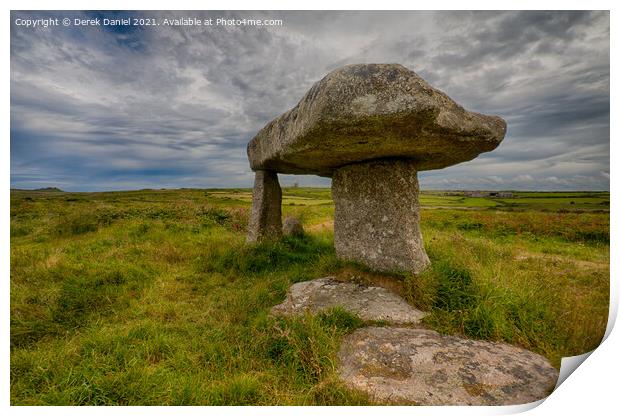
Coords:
pixel 371 128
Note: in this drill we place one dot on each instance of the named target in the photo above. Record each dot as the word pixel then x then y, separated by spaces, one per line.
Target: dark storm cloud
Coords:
pixel 119 108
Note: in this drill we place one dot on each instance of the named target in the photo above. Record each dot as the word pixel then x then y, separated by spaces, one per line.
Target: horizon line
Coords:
pixel 301 187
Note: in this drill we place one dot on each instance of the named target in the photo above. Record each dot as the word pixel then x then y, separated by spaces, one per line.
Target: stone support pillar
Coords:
pixel 377 216
pixel 266 217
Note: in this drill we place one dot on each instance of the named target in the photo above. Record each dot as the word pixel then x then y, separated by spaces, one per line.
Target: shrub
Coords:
pixel 470 226
pixel 79 223
pixel 595 236
pixel 215 216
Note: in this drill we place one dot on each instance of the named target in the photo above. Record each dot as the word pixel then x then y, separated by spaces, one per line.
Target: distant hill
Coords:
pixel 48 189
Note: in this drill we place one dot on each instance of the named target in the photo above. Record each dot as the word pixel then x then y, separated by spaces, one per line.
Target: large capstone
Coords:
pixel 371 111
pixel 266 217
pixel 377 215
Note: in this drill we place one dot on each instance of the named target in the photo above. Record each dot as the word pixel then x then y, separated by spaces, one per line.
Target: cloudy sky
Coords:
pixel 103 108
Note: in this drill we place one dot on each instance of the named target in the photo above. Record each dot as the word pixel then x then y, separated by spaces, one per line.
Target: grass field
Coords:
pixel 151 297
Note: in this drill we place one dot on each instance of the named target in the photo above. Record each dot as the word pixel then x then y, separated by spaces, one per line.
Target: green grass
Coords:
pixel 151 297
pixel 570 201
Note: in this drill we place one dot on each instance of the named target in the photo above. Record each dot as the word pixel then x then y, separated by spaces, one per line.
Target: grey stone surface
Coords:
pixel 370 303
pixel 369 111
pixel 266 217
pixel 377 215
pixel 418 366
pixel 292 226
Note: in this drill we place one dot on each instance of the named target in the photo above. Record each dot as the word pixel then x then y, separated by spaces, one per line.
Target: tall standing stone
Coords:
pixel 266 217
pixel 377 216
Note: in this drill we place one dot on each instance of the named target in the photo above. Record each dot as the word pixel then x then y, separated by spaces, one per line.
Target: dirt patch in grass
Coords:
pixel 357 274
pixel 582 264
pixel 327 225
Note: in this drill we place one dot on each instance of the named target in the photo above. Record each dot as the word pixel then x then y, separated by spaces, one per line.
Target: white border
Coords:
pixel 593 386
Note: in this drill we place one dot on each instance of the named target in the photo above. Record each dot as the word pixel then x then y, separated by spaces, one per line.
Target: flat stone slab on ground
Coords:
pixel 419 366
pixel 370 303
